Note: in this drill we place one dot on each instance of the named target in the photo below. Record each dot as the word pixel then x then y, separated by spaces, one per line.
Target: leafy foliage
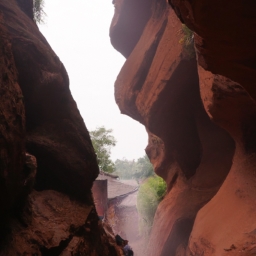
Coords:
pixel 131 169
pixel 38 11
pixel 151 192
pixel 103 141
pixel 187 41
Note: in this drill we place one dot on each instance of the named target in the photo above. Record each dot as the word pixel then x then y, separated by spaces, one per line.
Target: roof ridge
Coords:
pixel 109 174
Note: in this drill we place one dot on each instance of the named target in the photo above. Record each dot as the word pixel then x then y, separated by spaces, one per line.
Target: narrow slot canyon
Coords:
pixel 174 175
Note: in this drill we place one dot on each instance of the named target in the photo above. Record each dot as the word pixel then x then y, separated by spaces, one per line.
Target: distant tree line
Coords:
pixel 103 141
pixel 134 169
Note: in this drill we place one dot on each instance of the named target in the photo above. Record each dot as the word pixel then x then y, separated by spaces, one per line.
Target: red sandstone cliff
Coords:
pixel 200 116
pixel 38 115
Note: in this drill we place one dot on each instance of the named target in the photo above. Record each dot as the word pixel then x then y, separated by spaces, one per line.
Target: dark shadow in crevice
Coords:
pixel 56 251
pixel 178 237
pixel 173 181
pixel 172 118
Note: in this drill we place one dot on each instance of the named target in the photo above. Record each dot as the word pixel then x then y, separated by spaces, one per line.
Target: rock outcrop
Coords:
pixel 38 115
pixel 12 126
pixel 225 39
pixel 55 131
pixel 199 113
pixel 125 31
pixel 53 224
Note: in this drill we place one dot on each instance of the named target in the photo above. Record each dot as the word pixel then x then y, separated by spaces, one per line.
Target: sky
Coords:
pixel 78 32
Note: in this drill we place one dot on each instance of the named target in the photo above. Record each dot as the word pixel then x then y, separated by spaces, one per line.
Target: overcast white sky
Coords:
pixel 78 31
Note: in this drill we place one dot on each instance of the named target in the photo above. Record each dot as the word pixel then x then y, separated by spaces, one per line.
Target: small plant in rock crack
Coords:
pixel 187 41
pixel 39 14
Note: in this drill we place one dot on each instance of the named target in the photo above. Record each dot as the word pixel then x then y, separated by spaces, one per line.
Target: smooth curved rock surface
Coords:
pixel 225 37
pixel 12 127
pixel 55 131
pixel 225 42
pixel 200 117
pixel 38 115
pixel 129 20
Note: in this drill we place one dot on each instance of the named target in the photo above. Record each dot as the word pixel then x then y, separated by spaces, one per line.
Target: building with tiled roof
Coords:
pixel 115 187
pixel 115 201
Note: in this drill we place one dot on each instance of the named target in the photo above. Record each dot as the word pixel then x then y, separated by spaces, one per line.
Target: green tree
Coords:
pixel 144 168
pixel 103 141
pixel 124 168
pixel 131 169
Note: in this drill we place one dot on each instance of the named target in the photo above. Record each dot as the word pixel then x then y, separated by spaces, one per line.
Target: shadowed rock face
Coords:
pixel 39 115
pixel 50 227
pixel 55 132
pixel 12 126
pixel 208 166
pixel 128 23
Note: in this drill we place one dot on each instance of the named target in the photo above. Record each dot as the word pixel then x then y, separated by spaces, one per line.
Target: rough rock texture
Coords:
pixel 39 115
pixel 55 132
pixel 52 224
pixel 225 42
pixel 12 126
pixel 169 92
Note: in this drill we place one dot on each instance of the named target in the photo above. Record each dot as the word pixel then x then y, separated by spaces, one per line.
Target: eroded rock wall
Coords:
pixel 55 131
pixel 12 126
pixel 225 39
pixel 199 114
pixel 38 115
pixel 48 226
pixel 128 23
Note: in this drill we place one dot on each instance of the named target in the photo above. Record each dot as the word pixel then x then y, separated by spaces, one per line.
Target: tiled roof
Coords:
pixel 104 175
pixel 116 188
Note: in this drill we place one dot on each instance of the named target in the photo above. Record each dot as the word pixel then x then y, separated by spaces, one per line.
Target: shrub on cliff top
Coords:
pixel 38 11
